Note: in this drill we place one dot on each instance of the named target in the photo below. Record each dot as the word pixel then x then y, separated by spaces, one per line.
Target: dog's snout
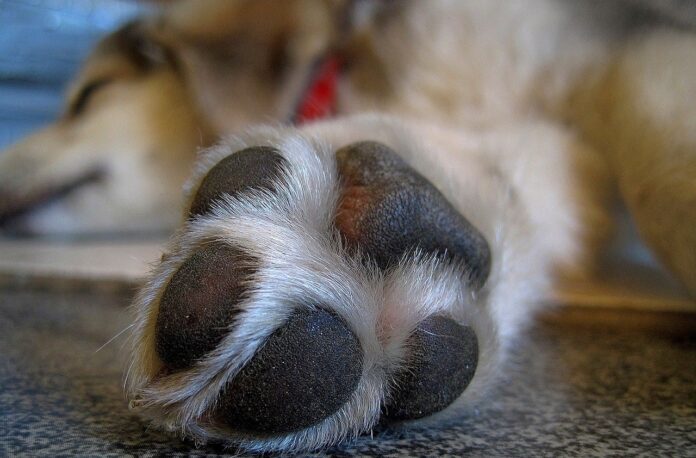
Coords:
pixel 17 203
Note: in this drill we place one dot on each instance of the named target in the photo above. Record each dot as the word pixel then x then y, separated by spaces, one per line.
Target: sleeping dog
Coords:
pixel 374 266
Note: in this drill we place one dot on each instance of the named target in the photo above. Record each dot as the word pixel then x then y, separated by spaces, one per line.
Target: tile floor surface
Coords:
pixel 573 388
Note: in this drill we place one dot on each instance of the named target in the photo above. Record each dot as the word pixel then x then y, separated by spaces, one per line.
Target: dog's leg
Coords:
pixel 352 271
pixel 643 115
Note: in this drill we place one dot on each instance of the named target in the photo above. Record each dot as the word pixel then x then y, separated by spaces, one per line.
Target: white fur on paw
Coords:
pixel 287 316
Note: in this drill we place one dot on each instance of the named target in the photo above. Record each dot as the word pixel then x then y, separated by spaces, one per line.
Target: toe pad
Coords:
pixel 304 373
pixel 200 303
pixel 442 363
pixel 252 168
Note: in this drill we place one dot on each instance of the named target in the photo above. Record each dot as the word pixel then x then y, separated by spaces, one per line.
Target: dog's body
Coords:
pixel 527 117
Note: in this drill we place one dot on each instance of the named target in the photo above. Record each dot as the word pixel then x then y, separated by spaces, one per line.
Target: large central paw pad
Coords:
pixel 389 209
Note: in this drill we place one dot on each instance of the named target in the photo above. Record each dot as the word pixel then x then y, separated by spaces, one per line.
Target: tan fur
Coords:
pixel 140 130
pixel 639 113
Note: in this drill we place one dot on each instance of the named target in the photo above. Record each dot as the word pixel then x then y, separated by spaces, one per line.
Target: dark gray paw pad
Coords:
pixel 389 209
pixel 199 304
pixel 442 363
pixel 252 168
pixel 304 372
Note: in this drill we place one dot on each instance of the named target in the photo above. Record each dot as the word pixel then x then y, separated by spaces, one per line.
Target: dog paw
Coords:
pixel 310 294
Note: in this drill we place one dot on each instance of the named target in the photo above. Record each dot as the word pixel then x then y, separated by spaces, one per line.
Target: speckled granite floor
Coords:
pixel 575 389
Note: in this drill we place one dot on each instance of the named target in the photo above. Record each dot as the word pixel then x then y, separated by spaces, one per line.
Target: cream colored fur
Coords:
pixel 144 163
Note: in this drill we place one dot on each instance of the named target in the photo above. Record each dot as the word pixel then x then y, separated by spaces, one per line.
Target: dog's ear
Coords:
pixel 250 33
pixel 209 22
pixel 139 45
pixel 213 21
pixel 250 57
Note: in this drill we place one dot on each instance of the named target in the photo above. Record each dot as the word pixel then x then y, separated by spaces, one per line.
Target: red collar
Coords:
pixel 318 100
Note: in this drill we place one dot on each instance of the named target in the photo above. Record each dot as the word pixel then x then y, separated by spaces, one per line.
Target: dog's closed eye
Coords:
pixel 79 103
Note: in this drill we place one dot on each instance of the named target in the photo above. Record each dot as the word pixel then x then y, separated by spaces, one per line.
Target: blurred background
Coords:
pixel 42 43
